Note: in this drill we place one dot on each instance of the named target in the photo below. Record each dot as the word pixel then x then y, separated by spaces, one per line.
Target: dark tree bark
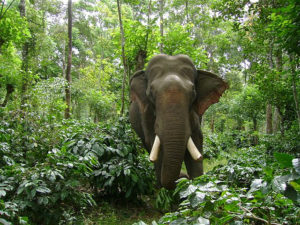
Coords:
pixel 276 120
pixel 140 59
pixel 9 90
pixel 2 12
pixel 25 58
pixel 69 63
pixel 187 11
pixel 269 128
pixel 295 91
pixel 123 56
pixel 269 113
pixel 142 54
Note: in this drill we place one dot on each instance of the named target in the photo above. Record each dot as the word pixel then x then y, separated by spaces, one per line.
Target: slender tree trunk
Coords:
pixel 295 92
pixel 69 63
pixel 255 137
pixel 9 90
pixel 269 128
pixel 187 11
pixel 276 120
pixel 254 123
pixel 64 59
pixel 161 26
pixel 123 56
pixel 25 56
pixel 142 54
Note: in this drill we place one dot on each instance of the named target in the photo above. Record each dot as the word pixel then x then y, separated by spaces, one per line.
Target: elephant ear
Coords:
pixel 138 86
pixel 209 88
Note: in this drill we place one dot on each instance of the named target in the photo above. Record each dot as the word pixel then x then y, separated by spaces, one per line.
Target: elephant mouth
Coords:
pixel 191 147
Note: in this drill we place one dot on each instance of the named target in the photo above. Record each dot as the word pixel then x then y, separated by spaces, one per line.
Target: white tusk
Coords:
pixel 155 149
pixel 196 155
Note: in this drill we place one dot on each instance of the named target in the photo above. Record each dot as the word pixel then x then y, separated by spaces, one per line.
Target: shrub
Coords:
pixel 270 194
pixel 48 171
pixel 122 169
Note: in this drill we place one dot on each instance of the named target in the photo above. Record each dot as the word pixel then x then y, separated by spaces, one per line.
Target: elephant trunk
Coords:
pixel 174 136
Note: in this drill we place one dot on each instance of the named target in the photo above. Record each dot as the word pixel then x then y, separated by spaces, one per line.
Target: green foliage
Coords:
pixel 178 41
pixel 48 171
pixel 119 170
pixel 164 200
pixel 285 21
pixel 250 191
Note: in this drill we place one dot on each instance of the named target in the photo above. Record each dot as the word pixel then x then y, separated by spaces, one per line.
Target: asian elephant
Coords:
pixel 167 102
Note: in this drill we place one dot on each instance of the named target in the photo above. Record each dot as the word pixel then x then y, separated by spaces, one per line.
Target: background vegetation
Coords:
pixel 87 166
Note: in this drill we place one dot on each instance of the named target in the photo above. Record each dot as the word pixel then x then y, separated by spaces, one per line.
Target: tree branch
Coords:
pixel 1 16
pixel 248 214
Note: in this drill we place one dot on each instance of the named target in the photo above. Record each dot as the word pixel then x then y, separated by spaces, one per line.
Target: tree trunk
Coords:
pixel 142 53
pixel 254 137
pixel 269 128
pixel 276 120
pixel 161 24
pixel 69 63
pixel 140 59
pixel 123 56
pixel 64 59
pixel 9 90
pixel 187 11
pixel 295 92
pixel 254 123
pixel 25 53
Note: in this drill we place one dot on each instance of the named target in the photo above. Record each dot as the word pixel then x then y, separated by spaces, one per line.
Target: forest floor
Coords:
pixel 108 213
pixel 127 213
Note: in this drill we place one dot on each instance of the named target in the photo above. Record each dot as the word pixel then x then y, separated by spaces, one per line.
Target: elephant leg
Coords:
pixel 194 168
pixel 157 166
pixel 136 121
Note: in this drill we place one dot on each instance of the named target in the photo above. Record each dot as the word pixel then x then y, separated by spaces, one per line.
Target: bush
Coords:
pixel 122 169
pixel 289 143
pixel 270 194
pixel 215 143
pixel 49 171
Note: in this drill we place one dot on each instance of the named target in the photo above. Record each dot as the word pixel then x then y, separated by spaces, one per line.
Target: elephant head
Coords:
pixel 167 102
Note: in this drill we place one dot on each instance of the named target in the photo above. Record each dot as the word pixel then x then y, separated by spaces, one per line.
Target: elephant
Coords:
pixel 167 102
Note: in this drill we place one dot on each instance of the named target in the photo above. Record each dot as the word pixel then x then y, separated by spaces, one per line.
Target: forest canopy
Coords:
pixel 65 69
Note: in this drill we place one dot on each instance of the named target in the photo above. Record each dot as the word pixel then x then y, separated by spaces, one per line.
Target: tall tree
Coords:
pixel 25 59
pixel 69 63
pixel 161 24
pixel 123 56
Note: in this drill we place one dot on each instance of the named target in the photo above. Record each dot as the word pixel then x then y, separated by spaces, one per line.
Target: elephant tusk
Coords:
pixel 196 155
pixel 155 149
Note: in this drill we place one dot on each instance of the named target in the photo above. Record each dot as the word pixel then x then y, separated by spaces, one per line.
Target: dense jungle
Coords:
pixel 68 151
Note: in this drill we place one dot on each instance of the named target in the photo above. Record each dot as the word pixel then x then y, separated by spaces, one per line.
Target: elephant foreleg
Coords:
pixel 194 168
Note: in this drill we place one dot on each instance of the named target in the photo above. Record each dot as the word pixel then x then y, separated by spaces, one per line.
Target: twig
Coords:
pixel 250 215
pixel 1 16
pixel 2 8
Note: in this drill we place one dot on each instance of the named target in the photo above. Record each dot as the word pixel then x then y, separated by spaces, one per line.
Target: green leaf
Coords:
pixel 42 189
pixel 189 190
pixel 284 160
pixel 202 221
pixel 4 222
pixel 295 185
pixel 296 165
pixel 2 193
pixel 197 199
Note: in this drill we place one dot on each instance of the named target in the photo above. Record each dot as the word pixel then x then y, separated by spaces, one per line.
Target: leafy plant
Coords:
pixel 248 190
pixel 119 170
